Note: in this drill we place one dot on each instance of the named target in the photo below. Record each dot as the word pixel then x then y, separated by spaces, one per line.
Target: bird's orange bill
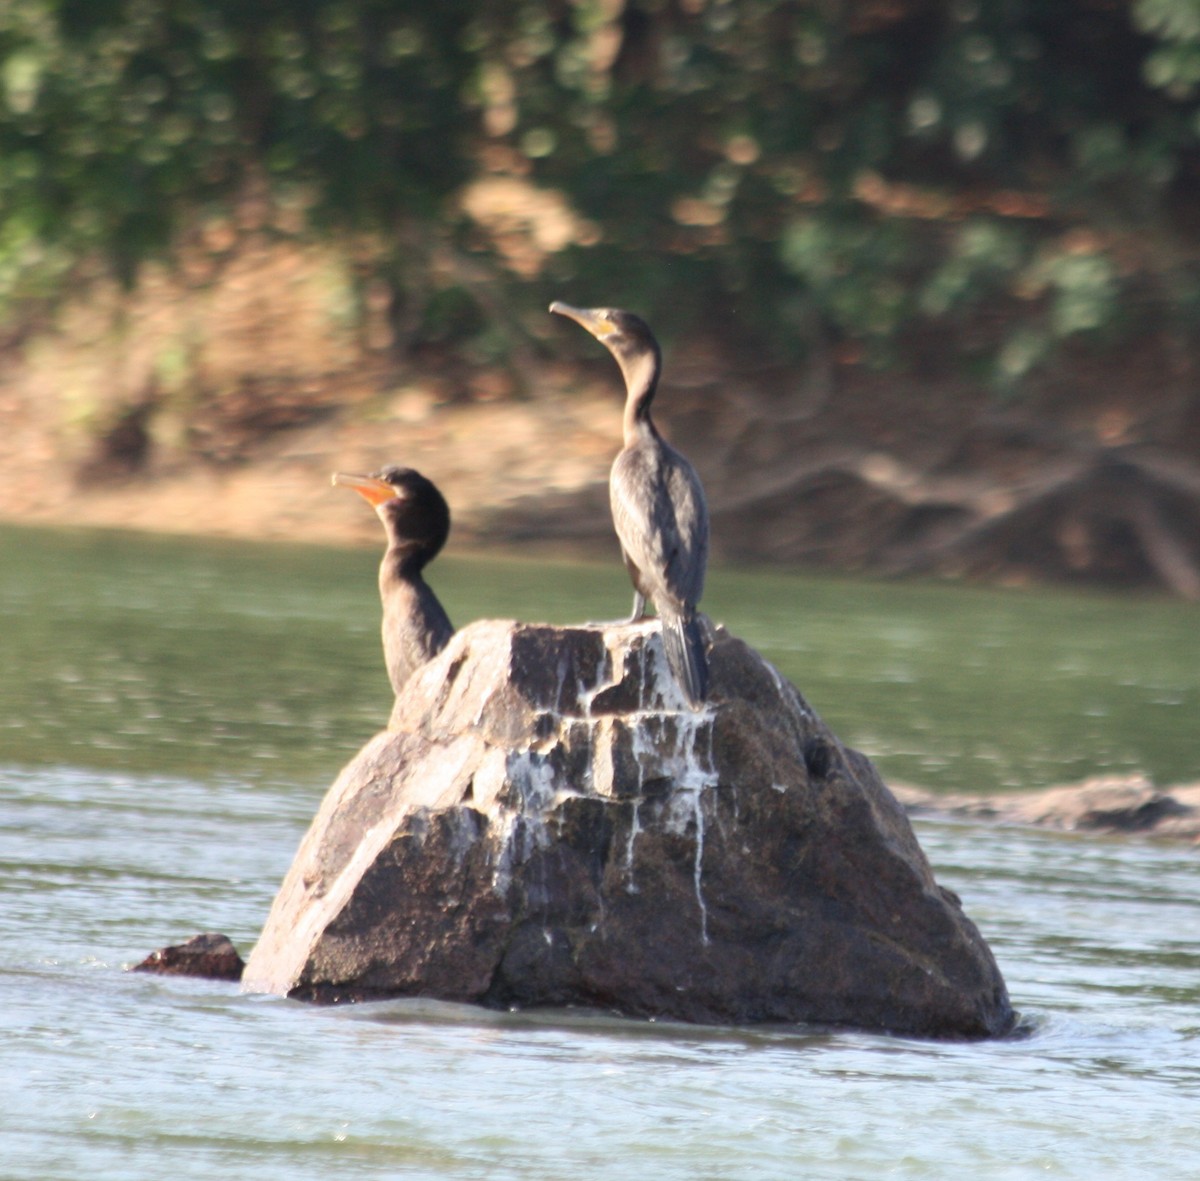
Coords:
pixel 371 488
pixel 595 320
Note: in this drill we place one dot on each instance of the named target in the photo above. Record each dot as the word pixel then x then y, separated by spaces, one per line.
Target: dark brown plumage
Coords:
pixel 417 520
pixel 658 504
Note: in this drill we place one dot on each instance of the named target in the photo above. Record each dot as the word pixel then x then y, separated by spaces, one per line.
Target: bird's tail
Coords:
pixel 683 642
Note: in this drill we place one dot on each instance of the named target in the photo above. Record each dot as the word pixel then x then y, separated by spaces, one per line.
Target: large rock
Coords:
pixel 545 822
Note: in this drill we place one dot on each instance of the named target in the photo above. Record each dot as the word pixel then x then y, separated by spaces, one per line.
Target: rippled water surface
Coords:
pixel 170 714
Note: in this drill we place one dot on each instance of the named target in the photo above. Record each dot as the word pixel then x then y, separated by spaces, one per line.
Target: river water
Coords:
pixel 171 713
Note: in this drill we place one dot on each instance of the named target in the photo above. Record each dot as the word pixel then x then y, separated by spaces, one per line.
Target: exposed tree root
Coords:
pixel 1125 514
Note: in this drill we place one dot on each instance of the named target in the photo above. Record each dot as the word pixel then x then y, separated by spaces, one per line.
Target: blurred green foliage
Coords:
pixel 814 172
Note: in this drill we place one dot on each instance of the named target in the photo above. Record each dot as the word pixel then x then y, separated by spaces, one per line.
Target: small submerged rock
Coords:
pixel 546 822
pixel 210 955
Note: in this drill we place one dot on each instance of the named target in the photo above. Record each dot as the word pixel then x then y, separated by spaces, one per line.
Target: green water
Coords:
pixel 171 713
pixel 130 652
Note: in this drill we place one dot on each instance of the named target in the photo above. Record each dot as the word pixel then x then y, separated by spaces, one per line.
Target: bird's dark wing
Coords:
pixel 661 518
pixel 687 566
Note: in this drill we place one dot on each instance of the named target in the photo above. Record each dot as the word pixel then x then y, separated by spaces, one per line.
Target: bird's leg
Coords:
pixel 639 613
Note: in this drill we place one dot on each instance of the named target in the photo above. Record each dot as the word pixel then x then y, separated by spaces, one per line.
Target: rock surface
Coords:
pixel 1106 804
pixel 210 955
pixel 545 822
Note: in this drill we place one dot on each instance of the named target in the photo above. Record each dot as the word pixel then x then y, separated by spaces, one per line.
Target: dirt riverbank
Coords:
pixel 220 403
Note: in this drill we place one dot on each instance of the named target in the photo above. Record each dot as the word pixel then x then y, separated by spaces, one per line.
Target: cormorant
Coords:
pixel 417 520
pixel 658 502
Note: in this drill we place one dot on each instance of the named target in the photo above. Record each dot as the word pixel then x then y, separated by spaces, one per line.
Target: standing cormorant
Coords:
pixel 417 520
pixel 658 504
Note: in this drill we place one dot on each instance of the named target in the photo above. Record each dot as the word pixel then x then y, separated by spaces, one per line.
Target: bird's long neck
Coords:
pixel 641 381
pixel 403 562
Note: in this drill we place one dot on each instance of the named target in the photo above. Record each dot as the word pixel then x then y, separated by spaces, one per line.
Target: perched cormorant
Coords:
pixel 658 504
pixel 417 520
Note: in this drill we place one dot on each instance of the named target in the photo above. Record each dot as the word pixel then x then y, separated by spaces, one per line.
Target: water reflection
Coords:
pixel 171 712
pixel 175 656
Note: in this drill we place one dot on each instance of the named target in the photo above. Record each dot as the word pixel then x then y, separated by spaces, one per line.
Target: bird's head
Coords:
pixel 625 335
pixel 410 506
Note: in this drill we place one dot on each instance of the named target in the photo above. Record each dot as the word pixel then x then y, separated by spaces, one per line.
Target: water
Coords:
pixel 170 714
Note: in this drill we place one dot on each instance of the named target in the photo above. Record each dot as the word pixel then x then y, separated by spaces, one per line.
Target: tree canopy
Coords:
pixel 821 171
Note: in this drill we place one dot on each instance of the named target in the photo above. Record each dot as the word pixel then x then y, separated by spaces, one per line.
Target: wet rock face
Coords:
pixel 546 822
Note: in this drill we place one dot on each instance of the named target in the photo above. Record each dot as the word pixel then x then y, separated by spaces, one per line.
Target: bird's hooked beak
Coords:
pixel 371 488
pixel 595 320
